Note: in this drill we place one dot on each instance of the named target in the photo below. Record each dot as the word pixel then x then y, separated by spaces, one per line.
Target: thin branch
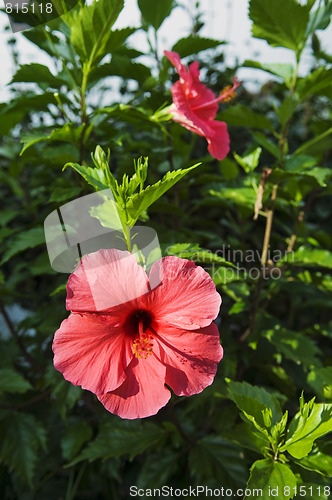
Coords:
pixel 32 401
pixel 299 221
pixel 266 243
pixel 268 227
pixel 18 339
pixel 178 425
pixel 261 188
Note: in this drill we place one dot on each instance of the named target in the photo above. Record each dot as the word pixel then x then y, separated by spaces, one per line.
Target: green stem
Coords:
pixel 285 128
pixel 58 100
pixel 294 77
pixel 75 485
pixel 127 237
pixel 84 118
pixel 86 71
pixel 64 65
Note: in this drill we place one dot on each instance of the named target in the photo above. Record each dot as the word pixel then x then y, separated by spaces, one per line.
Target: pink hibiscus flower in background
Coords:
pixel 126 353
pixel 195 106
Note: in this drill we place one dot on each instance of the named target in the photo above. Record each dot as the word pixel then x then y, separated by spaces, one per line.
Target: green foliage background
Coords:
pixel 258 424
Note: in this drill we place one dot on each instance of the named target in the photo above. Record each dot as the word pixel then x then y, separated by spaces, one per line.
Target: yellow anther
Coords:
pixel 227 93
pixel 142 347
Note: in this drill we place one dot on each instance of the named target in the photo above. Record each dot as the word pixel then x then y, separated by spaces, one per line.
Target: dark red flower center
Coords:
pixel 139 324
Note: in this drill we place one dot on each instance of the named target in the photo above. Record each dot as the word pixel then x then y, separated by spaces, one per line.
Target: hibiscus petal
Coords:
pixel 190 357
pixel 218 140
pixel 185 115
pixel 105 279
pixel 175 59
pixel 191 88
pixel 200 95
pixel 214 131
pixel 89 350
pixel 186 297
pixel 142 394
pixel 184 121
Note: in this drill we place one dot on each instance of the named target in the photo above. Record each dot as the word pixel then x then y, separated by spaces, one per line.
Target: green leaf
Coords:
pixel 118 438
pixel 282 70
pixel 320 18
pixel 22 241
pixel 250 161
pixel 243 116
pixel 267 144
pixel 31 139
pixel 37 73
pixel 315 83
pixel 135 114
pixel 254 401
pixel 282 23
pixel 41 265
pixel 51 44
pixel 59 289
pixel 110 215
pixel 223 276
pixel 143 200
pixel 157 469
pixel 13 183
pixel 295 346
pixel 30 101
pixel 317 461
pixel 11 381
pixel 194 252
pixel 78 433
pixel 154 13
pixel 96 177
pixel 193 44
pixel 215 457
pixel 286 110
pixel 317 145
pixel 229 169
pixel 242 196
pixel 310 423
pixel 67 133
pixel 8 120
pixel 321 175
pixel 273 479
pixel 61 193
pixel 91 33
pixel 115 39
pixel 309 257
pixel 245 436
pixel 299 163
pixel 5 232
pixel 21 439
pixel 121 66
pixel 66 395
pixel 321 380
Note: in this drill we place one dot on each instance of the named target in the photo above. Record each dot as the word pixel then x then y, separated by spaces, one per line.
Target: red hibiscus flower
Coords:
pixel 126 353
pixel 195 106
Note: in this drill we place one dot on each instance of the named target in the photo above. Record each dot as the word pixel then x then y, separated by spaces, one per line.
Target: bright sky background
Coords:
pixel 225 20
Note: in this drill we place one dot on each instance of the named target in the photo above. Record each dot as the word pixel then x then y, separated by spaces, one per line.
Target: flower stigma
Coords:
pixel 142 345
pixel 226 94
